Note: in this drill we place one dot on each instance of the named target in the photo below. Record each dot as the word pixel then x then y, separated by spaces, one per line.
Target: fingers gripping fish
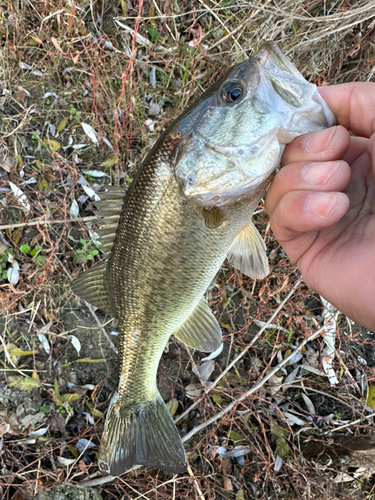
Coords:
pixel 189 208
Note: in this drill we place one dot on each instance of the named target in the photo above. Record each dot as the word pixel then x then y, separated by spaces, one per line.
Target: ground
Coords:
pixel 85 90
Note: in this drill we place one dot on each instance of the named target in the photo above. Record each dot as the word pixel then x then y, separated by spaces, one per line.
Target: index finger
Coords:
pixel 353 105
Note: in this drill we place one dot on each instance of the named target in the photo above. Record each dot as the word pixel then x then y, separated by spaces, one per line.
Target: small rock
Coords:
pixel 69 492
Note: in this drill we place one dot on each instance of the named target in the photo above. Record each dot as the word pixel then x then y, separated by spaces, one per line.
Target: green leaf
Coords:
pixel 89 360
pixel 236 438
pixel 40 259
pixel 25 248
pixel 153 34
pixel 172 406
pixel 371 397
pixel 279 432
pixel 16 351
pixel 94 412
pixel 70 397
pixel 62 125
pixel 217 399
pixel 23 383
pixel 35 250
pixel 282 447
pixel 109 163
pixel 56 388
pixel 52 144
pixel 45 409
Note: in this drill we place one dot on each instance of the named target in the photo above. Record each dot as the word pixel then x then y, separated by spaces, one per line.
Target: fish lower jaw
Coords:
pixel 218 198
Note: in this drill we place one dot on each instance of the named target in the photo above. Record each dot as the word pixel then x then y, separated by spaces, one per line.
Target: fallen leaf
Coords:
pixel 89 360
pixel 90 132
pixel 22 198
pixel 23 383
pixel 109 163
pixel 172 406
pixel 82 466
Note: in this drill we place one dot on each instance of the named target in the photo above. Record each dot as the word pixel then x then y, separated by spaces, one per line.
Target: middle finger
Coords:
pixel 316 176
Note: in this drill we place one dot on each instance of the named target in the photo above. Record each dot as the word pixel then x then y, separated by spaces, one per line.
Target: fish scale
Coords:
pixel 189 207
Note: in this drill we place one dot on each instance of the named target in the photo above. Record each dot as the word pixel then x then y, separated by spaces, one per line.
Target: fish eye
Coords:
pixel 231 92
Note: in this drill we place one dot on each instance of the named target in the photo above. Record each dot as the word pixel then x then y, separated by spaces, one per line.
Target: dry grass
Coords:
pixel 118 67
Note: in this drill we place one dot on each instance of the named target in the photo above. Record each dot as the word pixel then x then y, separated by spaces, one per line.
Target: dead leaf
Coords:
pixel 82 466
pixel 8 164
pixel 20 96
pixel 56 44
pixel 227 483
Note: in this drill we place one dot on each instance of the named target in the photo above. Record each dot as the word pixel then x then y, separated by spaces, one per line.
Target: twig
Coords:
pixel 251 391
pixel 257 336
pixel 98 481
pixel 358 421
pixel 199 491
pixel 42 222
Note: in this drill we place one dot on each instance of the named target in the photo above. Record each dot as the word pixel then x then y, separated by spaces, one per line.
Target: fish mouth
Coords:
pixel 214 195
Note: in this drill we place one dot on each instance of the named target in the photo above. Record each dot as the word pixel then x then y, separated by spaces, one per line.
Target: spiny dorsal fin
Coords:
pixel 248 253
pixel 90 287
pixel 201 330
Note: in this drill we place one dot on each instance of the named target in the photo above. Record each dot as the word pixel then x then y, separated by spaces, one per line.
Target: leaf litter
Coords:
pixel 101 111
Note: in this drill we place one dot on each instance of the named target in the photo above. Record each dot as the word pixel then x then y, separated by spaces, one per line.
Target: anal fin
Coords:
pixel 90 287
pixel 248 253
pixel 201 330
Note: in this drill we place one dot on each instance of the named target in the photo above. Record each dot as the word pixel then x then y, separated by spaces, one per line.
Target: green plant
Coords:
pixel 74 114
pixel 4 253
pixel 87 252
pixel 36 252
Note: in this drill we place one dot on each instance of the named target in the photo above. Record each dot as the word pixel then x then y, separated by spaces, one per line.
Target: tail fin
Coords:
pixel 142 435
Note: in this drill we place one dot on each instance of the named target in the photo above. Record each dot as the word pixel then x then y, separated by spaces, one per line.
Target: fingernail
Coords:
pixel 321 203
pixel 319 173
pixel 319 142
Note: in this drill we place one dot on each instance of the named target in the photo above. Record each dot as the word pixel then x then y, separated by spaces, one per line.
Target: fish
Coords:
pixel 189 208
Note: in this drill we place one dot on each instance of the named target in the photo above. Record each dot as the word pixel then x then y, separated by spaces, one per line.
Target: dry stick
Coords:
pixel 255 388
pixel 257 336
pixel 42 222
pixel 358 421
pixel 199 491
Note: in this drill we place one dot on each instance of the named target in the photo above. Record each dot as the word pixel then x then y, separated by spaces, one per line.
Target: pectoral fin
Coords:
pixel 248 253
pixel 201 330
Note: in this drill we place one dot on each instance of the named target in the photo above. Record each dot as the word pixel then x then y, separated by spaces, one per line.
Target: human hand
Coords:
pixel 322 203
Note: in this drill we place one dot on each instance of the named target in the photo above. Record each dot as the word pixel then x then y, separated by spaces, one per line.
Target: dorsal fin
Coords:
pixel 248 253
pixel 108 210
pixel 90 285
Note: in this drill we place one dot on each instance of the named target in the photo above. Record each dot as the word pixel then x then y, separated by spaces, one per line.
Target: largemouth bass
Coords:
pixel 188 208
